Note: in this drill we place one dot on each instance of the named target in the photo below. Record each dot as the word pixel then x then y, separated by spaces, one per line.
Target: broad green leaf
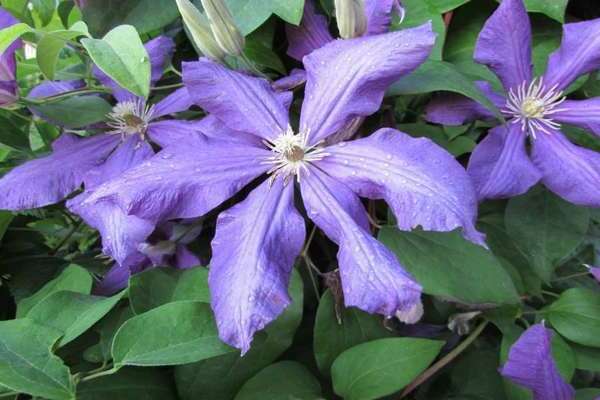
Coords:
pixel 576 316
pixel 159 286
pixel 587 394
pixel 175 333
pixel 433 76
pixel 6 218
pixel 586 358
pixel 474 375
pixel 128 384
pixel 73 278
pixel 545 228
pixel 250 14
pixel 121 55
pixel 49 48
pixel 554 9
pixel 146 15
pixel 381 367
pixel 332 337
pixel 71 312
pixel 281 381
pixel 27 364
pixel 75 112
pixel 12 33
pixel 220 378
pixel 443 6
pixel 419 12
pixel 45 10
pixel 14 132
pixel 449 266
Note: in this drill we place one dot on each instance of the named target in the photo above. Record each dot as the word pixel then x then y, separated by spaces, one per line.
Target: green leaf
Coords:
pixel 146 15
pixel 546 228
pixel 587 394
pixel 75 112
pixel 49 48
pixel 554 9
pixel 121 55
pixel 6 218
pixel 45 10
pixel 71 312
pixel 159 286
pixel 127 384
pixel 435 76
pixel 250 14
pixel 443 6
pixel 447 265
pixel 332 337
pixel 175 333
pixel 281 381
pixel 220 378
pixel 419 12
pixel 12 33
pixel 14 133
pixel 576 316
pixel 73 278
pixel 381 367
pixel 27 364
pixel 587 358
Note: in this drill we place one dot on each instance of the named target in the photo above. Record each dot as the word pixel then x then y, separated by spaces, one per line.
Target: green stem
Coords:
pixel 551 294
pixel 99 374
pixel 564 278
pixel 167 87
pixel 8 394
pixel 63 95
pixel 442 362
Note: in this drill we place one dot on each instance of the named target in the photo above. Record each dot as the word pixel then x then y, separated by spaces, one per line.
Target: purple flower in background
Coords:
pixel 500 165
pixel 257 240
pixel 8 83
pixel 93 160
pixel 530 364
pixel 595 271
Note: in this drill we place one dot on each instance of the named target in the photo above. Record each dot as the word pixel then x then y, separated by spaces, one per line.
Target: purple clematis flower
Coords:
pixel 167 247
pixel 257 241
pixel 530 364
pixel 594 271
pixel 500 165
pixel 8 83
pixel 93 160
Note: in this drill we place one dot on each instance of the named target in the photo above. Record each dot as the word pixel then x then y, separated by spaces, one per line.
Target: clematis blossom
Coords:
pixel 535 108
pixel 530 364
pixel 133 125
pixel 257 240
pixel 8 83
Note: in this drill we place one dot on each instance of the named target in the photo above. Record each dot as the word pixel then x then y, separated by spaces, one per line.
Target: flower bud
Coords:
pixel 198 28
pixel 223 27
pixel 351 18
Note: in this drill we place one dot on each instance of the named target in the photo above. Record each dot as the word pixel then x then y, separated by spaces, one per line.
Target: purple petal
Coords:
pixel 50 179
pixel 570 171
pixel 595 271
pixel 212 127
pixel 184 184
pixel 159 51
pixel 173 133
pixel 117 278
pixel 185 259
pixel 379 15
pixel 8 84
pixel 51 88
pixel 255 245
pixel 422 183
pixel 347 78
pixel 530 364
pixel 578 54
pixel 504 44
pixel 455 109
pixel 296 78
pixel 372 278
pixel 242 102
pixel 583 113
pixel 500 166
pixel 311 34
pixel 177 101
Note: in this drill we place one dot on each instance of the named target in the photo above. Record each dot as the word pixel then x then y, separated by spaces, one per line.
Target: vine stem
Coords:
pixel 442 362
pixel 99 374
pixel 60 96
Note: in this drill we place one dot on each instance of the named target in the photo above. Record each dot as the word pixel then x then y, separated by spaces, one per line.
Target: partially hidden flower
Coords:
pixel 257 240
pixel 223 27
pixel 595 271
pixel 8 83
pixel 198 27
pixel 530 364
pixel 127 142
pixel 535 107
pixel 351 18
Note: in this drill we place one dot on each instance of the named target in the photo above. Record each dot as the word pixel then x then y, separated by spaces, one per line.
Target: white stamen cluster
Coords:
pixel 533 105
pixel 291 155
pixel 130 117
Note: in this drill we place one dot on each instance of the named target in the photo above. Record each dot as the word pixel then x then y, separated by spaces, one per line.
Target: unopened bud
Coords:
pixel 351 18
pixel 412 315
pixel 198 28
pixel 223 27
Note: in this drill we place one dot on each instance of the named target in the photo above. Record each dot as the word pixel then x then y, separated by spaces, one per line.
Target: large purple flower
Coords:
pixel 500 165
pixel 93 160
pixel 8 83
pixel 530 364
pixel 257 240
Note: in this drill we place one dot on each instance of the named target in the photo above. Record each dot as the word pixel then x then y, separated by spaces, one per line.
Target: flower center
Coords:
pixel 291 155
pixel 533 105
pixel 130 117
